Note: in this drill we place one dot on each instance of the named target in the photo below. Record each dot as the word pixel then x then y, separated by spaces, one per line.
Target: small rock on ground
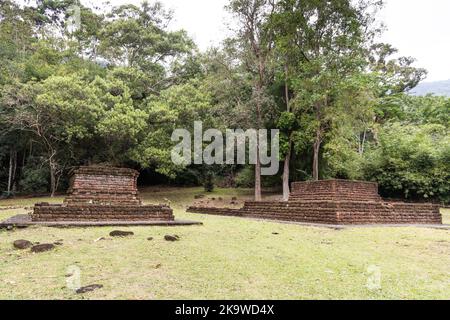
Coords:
pixel 150 238
pixel 171 238
pixel 118 233
pixel 22 244
pixel 42 247
pixel 89 288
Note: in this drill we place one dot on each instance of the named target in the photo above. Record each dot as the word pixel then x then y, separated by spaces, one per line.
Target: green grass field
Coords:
pixel 226 258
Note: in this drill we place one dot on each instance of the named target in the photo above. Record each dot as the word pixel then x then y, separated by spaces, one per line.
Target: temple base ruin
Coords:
pixel 335 202
pixel 102 194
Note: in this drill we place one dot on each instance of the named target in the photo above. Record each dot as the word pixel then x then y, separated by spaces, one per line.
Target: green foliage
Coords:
pixel 35 178
pixel 343 161
pixel 137 36
pixel 411 161
pixel 176 107
pixel 246 178
pixel 415 109
pixel 287 121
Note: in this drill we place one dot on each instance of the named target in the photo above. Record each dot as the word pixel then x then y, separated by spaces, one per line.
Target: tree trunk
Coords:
pixel 10 173
pixel 53 179
pixel 14 170
pixel 258 160
pixel 287 160
pixel 286 190
pixel 258 179
pixel 316 150
pixel 362 143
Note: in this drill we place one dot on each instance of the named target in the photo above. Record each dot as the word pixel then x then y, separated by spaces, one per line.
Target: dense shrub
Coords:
pixel 411 161
pixel 246 177
pixel 35 179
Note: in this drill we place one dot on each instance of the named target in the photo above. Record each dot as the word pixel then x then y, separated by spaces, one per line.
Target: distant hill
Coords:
pixel 438 88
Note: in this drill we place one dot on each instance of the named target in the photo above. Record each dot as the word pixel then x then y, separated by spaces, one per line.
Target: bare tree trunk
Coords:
pixel 258 160
pixel 14 170
pixel 287 160
pixel 53 178
pixel 362 143
pixel 10 173
pixel 52 181
pixel 286 190
pixel 258 179
pixel 316 150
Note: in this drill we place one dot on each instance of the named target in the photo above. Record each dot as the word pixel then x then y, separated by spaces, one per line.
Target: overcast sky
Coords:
pixel 417 28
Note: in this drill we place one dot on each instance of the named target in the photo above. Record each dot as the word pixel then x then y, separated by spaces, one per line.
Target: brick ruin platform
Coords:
pixel 334 202
pixel 101 196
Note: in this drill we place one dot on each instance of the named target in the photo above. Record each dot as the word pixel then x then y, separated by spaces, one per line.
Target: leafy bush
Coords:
pixel 411 162
pixel 35 179
pixel 246 178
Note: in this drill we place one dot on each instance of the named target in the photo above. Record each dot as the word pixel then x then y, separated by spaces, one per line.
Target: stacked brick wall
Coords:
pixel 216 211
pixel 102 194
pixel 335 190
pixel 47 212
pixel 331 202
pixel 313 212
pixel 105 186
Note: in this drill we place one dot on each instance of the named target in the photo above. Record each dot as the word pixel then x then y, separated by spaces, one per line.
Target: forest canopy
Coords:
pixel 111 90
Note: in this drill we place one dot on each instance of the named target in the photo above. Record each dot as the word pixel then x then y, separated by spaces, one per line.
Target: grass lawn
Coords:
pixel 231 258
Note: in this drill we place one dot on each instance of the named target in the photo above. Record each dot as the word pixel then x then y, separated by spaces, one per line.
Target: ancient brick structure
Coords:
pixel 335 190
pixel 102 194
pixel 335 202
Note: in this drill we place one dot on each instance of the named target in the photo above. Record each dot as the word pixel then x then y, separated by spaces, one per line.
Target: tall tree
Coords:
pixel 329 40
pixel 257 45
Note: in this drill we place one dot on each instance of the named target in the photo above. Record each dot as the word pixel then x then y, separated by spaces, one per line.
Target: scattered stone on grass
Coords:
pixel 42 247
pixel 118 233
pixel 4 208
pixel 158 266
pixel 275 233
pixel 89 288
pixel 150 238
pixel 199 196
pixel 171 238
pixel 22 244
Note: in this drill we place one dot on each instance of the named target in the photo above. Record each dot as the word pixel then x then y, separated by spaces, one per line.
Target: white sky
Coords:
pixel 417 28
